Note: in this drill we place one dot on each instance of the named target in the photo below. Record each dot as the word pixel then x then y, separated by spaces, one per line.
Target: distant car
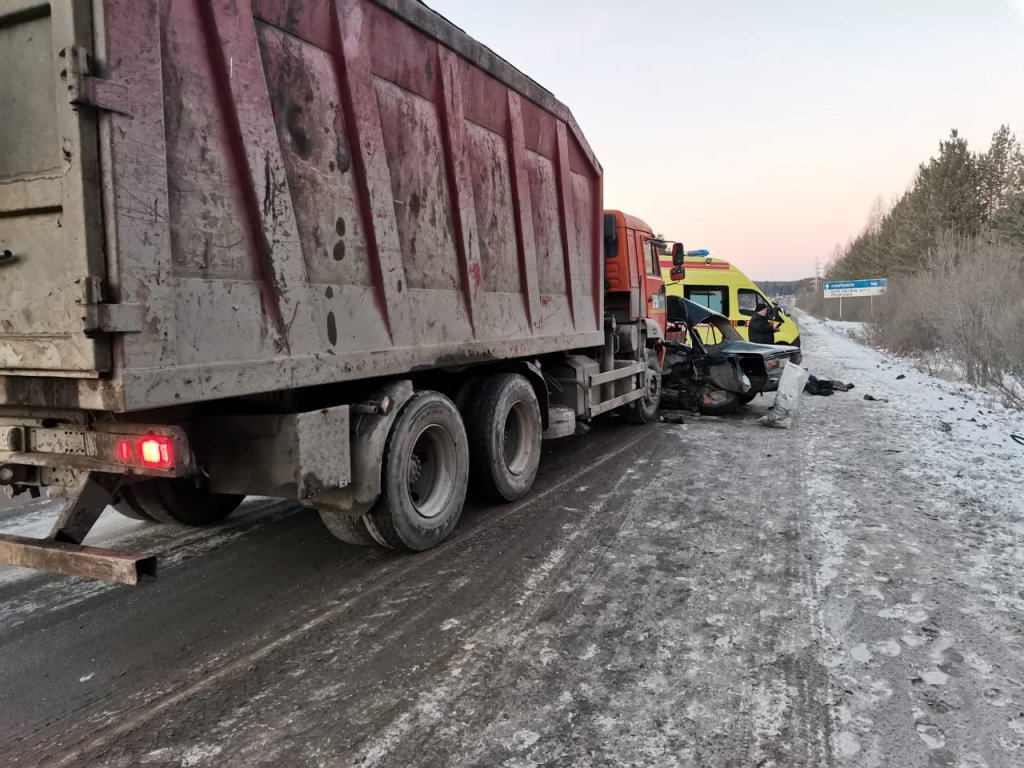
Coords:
pixel 709 367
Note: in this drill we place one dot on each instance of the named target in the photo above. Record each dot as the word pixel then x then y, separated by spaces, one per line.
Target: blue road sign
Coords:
pixel 840 289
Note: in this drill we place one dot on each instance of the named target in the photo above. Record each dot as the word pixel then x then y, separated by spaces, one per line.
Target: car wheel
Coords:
pixel 717 402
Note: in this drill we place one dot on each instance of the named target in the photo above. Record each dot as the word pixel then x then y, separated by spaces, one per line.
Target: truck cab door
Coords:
pixel 653 286
pixel 52 264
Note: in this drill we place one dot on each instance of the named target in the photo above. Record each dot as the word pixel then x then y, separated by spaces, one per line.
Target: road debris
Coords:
pixel 787 399
pixel 825 387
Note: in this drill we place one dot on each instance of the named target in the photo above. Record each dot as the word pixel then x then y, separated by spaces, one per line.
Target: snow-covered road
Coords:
pixel 917 509
pixel 712 593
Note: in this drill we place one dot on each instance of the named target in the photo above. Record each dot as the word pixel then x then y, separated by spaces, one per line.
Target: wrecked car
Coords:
pixel 708 366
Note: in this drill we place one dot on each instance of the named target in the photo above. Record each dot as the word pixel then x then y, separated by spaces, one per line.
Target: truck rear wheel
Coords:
pixel 645 410
pixel 424 478
pixel 129 506
pixel 505 431
pixel 351 530
pixel 175 500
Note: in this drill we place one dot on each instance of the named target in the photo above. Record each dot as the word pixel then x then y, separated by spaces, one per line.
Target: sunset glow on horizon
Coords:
pixel 764 133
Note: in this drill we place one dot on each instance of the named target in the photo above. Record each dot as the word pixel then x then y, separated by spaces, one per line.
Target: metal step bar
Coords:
pixel 75 559
pixel 62 550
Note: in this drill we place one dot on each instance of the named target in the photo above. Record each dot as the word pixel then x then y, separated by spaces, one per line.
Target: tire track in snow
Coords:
pixel 226 665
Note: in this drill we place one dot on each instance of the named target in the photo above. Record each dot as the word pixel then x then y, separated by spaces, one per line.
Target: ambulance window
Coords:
pixel 750 301
pixel 711 297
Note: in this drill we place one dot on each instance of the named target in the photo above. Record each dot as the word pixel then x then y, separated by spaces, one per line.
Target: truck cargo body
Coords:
pixel 210 199
pixel 335 251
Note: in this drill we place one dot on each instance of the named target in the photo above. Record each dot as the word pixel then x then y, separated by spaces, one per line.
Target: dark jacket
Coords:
pixel 761 330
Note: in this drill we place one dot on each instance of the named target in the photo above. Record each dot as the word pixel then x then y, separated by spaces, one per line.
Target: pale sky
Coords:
pixel 764 131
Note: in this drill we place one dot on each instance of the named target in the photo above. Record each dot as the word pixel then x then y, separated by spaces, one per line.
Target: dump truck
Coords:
pixel 334 251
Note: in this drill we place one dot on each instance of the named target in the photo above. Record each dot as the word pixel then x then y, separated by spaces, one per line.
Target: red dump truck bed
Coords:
pixel 202 200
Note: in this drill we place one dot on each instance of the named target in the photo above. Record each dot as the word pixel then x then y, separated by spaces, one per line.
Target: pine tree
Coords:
pixel 948 191
pixel 956 194
pixel 1002 172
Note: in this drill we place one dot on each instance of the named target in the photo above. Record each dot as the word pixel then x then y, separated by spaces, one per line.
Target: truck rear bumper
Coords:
pixel 35 453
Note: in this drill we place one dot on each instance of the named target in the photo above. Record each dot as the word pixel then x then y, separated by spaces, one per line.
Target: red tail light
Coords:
pixel 124 451
pixel 157 452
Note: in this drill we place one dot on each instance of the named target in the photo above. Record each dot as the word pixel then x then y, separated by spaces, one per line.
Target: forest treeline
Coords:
pixel 952 247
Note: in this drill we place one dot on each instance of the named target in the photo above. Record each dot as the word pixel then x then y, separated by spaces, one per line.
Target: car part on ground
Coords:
pixel 784 409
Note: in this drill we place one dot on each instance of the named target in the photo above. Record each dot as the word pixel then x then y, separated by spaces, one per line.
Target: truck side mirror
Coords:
pixel 677 273
pixel 678 255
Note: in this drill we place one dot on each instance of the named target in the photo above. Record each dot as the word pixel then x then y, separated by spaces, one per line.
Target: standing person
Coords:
pixel 761 328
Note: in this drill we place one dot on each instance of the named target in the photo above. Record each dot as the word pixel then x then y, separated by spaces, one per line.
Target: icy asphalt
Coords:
pixel 712 593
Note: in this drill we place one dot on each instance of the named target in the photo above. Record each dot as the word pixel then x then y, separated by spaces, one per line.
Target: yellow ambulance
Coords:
pixel 719 285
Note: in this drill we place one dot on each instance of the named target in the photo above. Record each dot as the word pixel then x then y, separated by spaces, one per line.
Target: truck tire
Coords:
pixel 175 500
pixel 129 506
pixel 351 530
pixel 465 396
pixel 744 399
pixel 645 410
pixel 424 477
pixel 504 431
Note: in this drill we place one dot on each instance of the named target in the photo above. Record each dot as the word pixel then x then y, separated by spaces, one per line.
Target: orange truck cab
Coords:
pixel 634 287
